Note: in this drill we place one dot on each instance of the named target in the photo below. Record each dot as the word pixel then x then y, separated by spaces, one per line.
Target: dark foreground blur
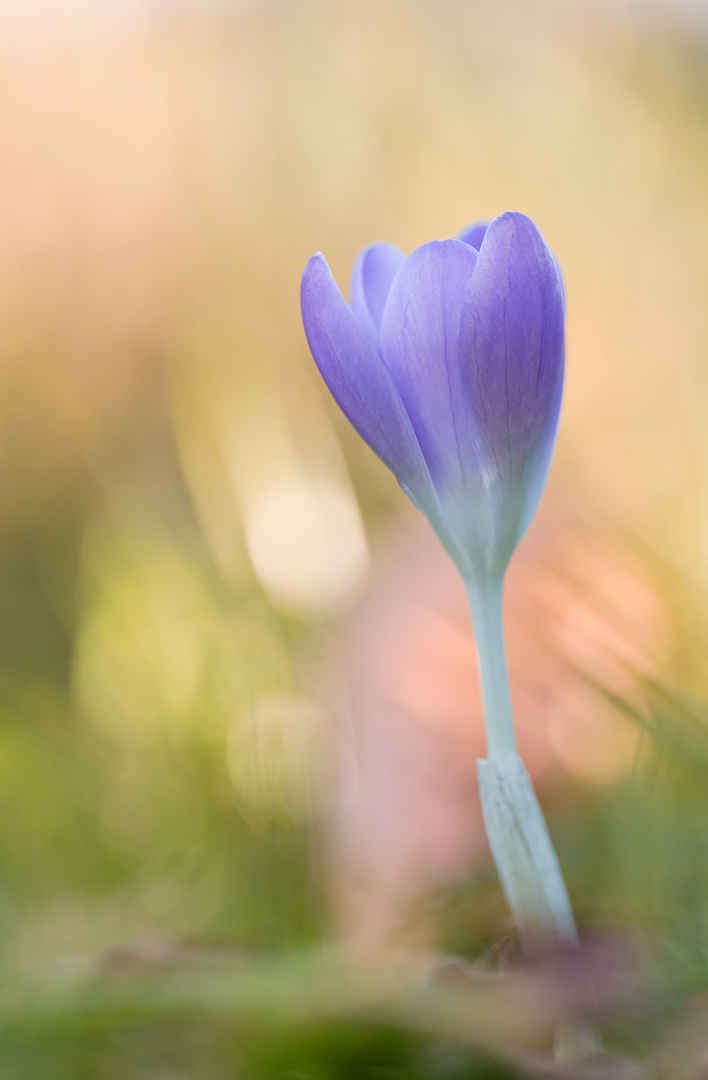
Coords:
pixel 239 717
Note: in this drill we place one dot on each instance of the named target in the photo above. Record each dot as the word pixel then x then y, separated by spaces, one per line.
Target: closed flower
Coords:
pixel 449 363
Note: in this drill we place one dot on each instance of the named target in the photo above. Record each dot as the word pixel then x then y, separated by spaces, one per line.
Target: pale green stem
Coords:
pixel 518 835
pixel 516 828
pixel 486 608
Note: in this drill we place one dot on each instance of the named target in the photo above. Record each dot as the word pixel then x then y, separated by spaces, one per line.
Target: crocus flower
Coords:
pixel 449 363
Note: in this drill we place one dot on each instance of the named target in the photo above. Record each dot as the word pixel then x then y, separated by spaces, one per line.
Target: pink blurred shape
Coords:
pixel 406 817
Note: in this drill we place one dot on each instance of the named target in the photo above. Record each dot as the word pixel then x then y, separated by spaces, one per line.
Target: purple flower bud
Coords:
pixel 449 363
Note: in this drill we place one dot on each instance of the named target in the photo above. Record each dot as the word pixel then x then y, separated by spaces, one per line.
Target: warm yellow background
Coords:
pixel 183 513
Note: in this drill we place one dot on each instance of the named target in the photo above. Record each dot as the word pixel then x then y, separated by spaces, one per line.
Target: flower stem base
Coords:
pixel 523 853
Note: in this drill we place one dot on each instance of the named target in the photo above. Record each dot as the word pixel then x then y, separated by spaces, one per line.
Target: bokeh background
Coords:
pixel 238 702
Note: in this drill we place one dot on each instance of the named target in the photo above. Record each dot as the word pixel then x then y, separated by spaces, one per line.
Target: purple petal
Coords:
pixel 374 269
pixel 420 331
pixel 474 234
pixel 561 280
pixel 511 361
pixel 355 374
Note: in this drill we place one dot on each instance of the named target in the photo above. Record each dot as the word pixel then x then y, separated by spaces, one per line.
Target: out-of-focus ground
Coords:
pixel 238 698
